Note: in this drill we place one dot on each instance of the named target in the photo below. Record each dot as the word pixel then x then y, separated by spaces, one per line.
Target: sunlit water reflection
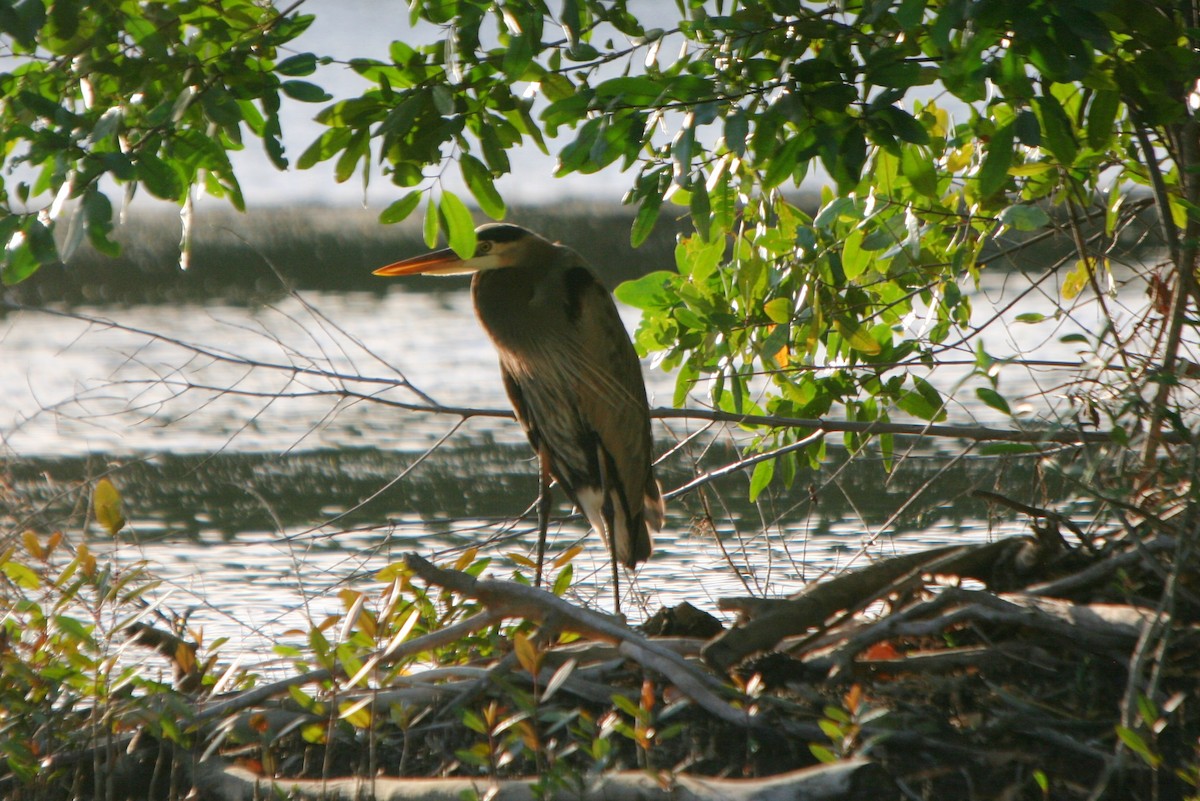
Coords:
pixel 74 388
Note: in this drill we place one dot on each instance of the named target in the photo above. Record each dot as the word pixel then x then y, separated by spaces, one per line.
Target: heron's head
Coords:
pixel 498 245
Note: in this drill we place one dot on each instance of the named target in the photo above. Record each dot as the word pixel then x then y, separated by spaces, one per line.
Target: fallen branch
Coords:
pixel 510 599
pixel 851 780
pixel 995 563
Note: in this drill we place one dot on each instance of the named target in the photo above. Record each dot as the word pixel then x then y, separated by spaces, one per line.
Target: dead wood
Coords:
pixel 851 780
pixel 1097 628
pixel 998 564
pixel 517 600
pixel 956 691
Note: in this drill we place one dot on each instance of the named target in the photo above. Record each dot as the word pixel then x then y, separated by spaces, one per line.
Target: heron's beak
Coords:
pixel 440 262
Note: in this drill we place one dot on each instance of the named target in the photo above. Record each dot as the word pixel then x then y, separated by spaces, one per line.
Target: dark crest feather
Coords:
pixel 501 232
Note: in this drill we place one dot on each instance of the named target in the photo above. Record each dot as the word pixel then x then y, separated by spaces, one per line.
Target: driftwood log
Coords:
pixel 851 780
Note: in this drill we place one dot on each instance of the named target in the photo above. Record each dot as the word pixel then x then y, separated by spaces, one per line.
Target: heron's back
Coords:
pixel 576 385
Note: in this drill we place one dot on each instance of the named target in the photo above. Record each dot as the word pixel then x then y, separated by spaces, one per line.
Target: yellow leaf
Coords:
pixel 528 736
pixel 33 546
pixel 567 555
pixel 466 559
pixel 1032 168
pixel 357 714
pixel 958 160
pixel 393 571
pixel 520 560
pixel 941 123
pixel 527 655
pixel 185 657
pixel 367 624
pixel 106 500
pixel 1077 279
pixel 87 562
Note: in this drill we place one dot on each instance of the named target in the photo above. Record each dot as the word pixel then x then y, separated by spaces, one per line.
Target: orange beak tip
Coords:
pixel 389 270
pixel 430 262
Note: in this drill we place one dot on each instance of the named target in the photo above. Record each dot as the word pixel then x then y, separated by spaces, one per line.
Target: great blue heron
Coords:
pixel 573 378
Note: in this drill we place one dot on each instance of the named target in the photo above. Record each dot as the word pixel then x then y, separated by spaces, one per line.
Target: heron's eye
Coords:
pixel 482 248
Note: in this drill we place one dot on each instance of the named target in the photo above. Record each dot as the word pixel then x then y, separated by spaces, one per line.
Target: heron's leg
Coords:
pixel 543 518
pixel 616 584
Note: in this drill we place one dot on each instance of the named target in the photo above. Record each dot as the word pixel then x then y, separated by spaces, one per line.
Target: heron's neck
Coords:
pixel 504 301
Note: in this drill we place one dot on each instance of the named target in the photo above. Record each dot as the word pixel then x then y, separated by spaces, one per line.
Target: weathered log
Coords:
pixel 518 600
pixel 1099 628
pixel 852 780
pixel 777 620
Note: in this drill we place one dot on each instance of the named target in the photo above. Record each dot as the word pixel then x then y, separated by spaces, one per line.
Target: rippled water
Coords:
pixel 248 529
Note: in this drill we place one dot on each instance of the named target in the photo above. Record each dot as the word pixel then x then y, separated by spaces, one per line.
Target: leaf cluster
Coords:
pixel 941 126
pixel 148 95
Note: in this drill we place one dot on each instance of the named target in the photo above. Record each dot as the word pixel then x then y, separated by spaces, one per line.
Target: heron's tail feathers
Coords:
pixel 626 535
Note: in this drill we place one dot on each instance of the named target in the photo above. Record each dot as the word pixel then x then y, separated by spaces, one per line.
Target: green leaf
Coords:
pixel 923 401
pixel 75 628
pixel 299 64
pixel 994 399
pixel 460 228
pixel 652 292
pixel 19 263
pixel 21 575
pixel 159 177
pixel 39 239
pixel 916 164
pixel 701 209
pixel 562 582
pixel 325 147
pixel 429 228
pixel 778 310
pixel 571 21
pixel 855 260
pixel 1136 743
pixel 859 338
pixel 993 174
pixel 400 209
pixel 764 471
pixel 1101 118
pixel 1024 217
pixel 723 202
pixel 822 753
pixel 483 189
pixel 356 150
pixel 646 217
pixel 98 210
pixel 904 125
pixel 305 92
pixel 637 90
pixel 1030 317
pixel 1056 129
pixel 737 128
pixel 782 163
